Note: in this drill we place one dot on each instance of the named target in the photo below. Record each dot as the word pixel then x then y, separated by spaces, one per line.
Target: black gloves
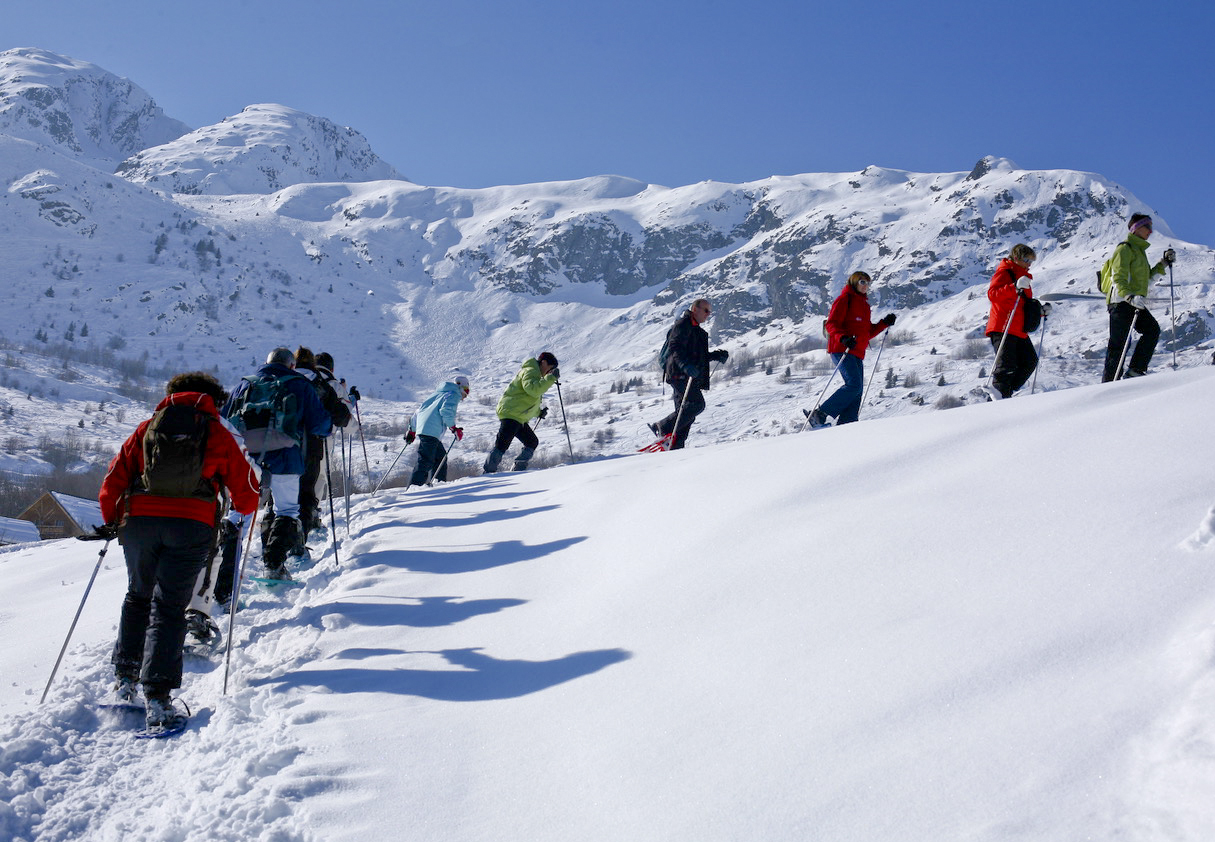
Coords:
pixel 1170 257
pixel 354 394
pixel 409 437
pixel 543 412
pixel 720 355
pixel 848 342
pixel 691 371
pixel 889 320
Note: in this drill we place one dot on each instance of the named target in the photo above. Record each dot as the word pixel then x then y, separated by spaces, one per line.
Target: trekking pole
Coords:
pixel 430 481
pixel 359 420
pixel 238 579
pixel 824 392
pixel 876 363
pixel 565 423
pixel 96 536
pixel 1041 341
pixel 332 518
pixel 1126 346
pixel 389 471
pixel 1173 314
pixel 346 477
pixel 678 415
pixel 1003 338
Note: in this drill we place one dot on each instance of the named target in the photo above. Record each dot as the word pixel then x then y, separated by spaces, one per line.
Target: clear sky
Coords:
pixel 475 93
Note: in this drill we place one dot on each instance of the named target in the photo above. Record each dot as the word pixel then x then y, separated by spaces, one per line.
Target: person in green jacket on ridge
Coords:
pixel 1126 297
pixel 520 403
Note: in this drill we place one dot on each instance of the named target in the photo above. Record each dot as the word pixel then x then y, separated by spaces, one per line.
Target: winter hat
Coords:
pixel 547 357
pixel 325 360
pixel 462 382
pixel 1137 220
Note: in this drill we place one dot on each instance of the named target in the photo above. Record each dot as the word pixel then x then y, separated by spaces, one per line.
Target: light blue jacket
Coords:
pixel 438 412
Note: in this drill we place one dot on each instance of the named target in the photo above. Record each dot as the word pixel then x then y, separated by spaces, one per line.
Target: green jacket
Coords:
pixel 1130 271
pixel 521 400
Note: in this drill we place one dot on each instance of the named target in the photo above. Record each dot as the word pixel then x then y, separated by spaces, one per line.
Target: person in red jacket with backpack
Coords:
pixel 1009 293
pixel 161 496
pixel 848 333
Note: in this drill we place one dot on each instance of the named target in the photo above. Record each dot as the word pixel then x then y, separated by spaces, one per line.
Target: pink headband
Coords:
pixel 1138 223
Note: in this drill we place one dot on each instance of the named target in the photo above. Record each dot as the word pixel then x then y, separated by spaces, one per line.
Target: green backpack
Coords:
pixel 267 414
pixel 1105 276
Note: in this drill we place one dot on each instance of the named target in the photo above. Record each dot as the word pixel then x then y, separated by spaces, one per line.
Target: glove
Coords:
pixel 556 373
pixel 1170 257
pixel 691 371
pixel 848 342
pixel 100 533
pixel 720 355
pixel 1045 308
pixel 1024 282
pixel 354 394
pixel 543 412
pixel 889 320
pixel 459 431
pixel 1138 302
pixel 409 437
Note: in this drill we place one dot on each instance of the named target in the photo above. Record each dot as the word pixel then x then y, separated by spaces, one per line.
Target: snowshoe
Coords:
pixel 816 419
pixel 202 634
pixel 163 719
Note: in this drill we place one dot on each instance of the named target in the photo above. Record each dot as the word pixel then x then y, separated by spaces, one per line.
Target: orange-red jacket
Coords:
pixel 850 316
pixel 225 464
pixel 1002 293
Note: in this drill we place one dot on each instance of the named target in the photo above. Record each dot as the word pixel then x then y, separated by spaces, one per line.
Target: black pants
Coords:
pixel 1015 363
pixel 692 407
pixel 164 556
pixel 509 430
pixel 1122 317
pixel 314 455
pixel 431 455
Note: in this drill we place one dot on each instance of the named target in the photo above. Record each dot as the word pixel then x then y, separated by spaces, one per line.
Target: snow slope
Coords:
pixel 993 623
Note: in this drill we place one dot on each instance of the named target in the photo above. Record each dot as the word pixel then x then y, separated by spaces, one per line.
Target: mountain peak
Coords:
pixel 78 108
pixel 263 149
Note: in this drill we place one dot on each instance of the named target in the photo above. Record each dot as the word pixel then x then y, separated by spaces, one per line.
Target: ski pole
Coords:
pixel 1173 315
pixel 824 392
pixel 1041 342
pixel 430 481
pixel 565 423
pixel 389 471
pixel 1003 337
pixel 346 478
pixel 1126 346
pixel 678 415
pixel 876 363
pixel 332 518
pixel 96 536
pixel 238 579
pixel 359 420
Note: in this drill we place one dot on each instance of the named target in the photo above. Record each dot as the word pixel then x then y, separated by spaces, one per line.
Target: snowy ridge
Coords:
pixel 941 626
pixel 261 150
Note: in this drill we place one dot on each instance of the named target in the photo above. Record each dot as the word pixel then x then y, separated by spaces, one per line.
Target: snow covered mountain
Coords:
pixel 261 150
pixel 276 227
pixel 78 108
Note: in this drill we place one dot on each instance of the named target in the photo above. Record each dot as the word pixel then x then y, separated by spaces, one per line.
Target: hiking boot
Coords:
pixel 523 458
pixel 1134 372
pixel 278 572
pixel 492 461
pixel 655 430
pixel 161 714
pixel 201 627
pixel 993 394
pixel 126 689
pixel 816 417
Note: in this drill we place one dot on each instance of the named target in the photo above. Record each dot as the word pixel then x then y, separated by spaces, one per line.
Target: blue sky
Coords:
pixel 472 94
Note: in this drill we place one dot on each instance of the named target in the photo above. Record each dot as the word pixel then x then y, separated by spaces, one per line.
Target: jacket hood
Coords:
pixel 198 400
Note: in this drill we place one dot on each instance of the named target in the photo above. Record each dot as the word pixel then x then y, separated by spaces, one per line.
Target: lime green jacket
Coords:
pixel 521 400
pixel 1130 272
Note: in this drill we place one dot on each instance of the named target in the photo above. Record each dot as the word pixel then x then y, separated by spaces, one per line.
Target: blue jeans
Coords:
pixel 845 402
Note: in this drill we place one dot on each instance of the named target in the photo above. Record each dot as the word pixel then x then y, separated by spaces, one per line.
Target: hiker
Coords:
pixel 519 404
pixel 275 410
pixel 314 450
pixel 164 501
pixel 685 359
pixel 1129 274
pixel 848 333
pixel 1011 294
pixel 434 418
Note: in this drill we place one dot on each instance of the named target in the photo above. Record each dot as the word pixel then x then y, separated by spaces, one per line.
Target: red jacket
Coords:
pixel 225 464
pixel 850 316
pixel 1002 293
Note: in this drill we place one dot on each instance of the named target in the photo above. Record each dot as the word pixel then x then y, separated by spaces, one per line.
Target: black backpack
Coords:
pixel 174 447
pixel 1032 314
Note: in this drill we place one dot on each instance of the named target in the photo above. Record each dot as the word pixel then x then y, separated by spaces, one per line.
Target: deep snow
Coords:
pixel 992 623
